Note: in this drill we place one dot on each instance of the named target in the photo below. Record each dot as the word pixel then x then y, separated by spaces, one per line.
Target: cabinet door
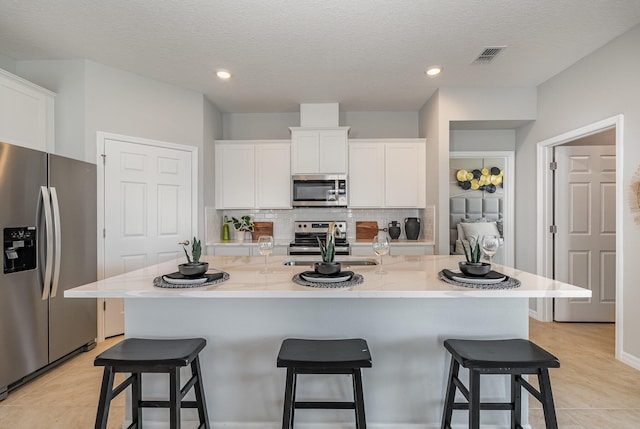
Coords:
pixel 305 145
pixel 273 179
pixel 405 170
pixel 333 151
pixel 26 115
pixel 235 176
pixel 366 175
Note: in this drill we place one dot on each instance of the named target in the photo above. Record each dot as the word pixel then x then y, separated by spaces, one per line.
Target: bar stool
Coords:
pixel 138 356
pixel 513 356
pixel 345 356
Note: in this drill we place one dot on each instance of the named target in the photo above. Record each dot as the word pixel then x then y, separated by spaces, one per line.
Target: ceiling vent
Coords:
pixel 488 54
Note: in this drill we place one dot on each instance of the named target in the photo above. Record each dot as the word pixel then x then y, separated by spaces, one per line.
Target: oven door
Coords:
pixel 319 191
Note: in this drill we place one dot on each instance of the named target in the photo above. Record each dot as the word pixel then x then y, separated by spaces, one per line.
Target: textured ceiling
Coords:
pixel 364 54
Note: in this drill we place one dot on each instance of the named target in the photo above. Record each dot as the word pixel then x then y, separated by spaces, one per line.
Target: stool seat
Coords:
pixel 343 356
pixel 515 357
pixel 151 352
pixel 347 353
pixel 137 356
pixel 512 353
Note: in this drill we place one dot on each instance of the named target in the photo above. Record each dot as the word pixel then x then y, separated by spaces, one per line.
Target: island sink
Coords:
pixel 351 262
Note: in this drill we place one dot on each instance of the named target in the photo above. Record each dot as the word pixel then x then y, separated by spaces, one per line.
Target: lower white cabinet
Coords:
pixel 26 113
pixel 253 174
pixel 395 249
pixel 244 250
pixel 387 173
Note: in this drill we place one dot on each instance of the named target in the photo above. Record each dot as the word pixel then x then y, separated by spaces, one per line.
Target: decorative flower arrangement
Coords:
pixel 481 180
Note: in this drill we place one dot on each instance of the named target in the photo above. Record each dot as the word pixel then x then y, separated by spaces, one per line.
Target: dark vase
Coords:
pixel 474 269
pixel 412 228
pixel 327 268
pixel 394 230
pixel 193 269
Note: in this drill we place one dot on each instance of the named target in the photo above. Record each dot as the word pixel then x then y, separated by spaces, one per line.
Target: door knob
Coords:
pixel 185 243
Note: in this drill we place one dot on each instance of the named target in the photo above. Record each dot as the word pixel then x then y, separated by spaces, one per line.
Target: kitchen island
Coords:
pixel 405 315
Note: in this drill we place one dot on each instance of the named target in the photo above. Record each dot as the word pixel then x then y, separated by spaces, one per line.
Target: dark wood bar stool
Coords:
pixel 138 356
pixel 346 356
pixel 514 356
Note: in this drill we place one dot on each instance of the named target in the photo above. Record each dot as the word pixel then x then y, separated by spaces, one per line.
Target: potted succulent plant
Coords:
pixel 328 252
pixel 473 266
pixel 242 226
pixel 193 267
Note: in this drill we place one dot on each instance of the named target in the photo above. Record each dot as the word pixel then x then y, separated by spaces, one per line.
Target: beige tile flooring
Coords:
pixel 591 390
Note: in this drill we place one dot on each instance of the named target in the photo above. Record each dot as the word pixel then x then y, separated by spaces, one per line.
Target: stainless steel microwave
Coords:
pixel 319 190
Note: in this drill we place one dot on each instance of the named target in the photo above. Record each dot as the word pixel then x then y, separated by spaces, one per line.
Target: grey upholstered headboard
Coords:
pixel 460 208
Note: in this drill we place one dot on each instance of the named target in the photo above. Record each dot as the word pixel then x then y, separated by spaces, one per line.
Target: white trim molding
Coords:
pixel 101 137
pixel 544 244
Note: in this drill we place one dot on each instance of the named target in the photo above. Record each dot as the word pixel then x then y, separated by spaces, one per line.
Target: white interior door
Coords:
pixel 585 242
pixel 148 210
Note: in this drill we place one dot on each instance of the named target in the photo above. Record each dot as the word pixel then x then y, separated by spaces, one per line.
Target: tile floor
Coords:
pixel 591 390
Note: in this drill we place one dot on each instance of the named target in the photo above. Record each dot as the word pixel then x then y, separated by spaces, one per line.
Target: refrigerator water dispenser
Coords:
pixel 19 249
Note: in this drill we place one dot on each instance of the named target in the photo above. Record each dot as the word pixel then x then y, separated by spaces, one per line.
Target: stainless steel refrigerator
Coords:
pixel 48 223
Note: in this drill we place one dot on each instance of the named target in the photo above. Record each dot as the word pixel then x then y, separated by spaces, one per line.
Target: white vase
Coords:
pixel 240 236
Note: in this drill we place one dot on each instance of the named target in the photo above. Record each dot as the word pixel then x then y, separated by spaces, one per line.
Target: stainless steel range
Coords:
pixel 306 234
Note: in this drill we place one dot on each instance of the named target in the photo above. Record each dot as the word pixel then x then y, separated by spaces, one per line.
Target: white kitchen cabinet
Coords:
pixel 395 249
pixel 253 174
pixel 26 113
pixel 319 150
pixel 387 173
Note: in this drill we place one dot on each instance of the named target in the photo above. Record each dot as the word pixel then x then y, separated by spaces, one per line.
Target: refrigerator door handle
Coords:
pixel 48 265
pixel 56 241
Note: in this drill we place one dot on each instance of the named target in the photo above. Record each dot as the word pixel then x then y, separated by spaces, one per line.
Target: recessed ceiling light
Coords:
pixel 433 71
pixel 223 74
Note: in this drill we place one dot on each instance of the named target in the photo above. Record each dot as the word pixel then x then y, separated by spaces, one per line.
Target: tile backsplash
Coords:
pixel 283 220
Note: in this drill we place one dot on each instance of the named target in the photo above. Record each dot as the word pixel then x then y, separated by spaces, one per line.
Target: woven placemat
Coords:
pixel 356 279
pixel 160 282
pixel 509 283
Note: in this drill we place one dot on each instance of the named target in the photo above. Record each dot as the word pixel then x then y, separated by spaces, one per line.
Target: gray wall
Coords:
pixel 485 140
pixel 247 126
pixel 92 97
pixel 7 64
pixel 600 86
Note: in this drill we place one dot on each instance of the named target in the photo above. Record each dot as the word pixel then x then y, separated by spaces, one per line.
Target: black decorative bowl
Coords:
pixel 474 269
pixel 327 268
pixel 193 269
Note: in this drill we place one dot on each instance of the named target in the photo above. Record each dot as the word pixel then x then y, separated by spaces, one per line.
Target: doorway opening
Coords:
pixel 545 212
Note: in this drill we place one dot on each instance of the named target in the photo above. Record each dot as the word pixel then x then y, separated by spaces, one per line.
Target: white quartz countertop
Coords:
pixel 407 277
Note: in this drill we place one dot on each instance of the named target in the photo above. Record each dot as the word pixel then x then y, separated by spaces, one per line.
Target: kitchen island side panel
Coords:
pixel 404 388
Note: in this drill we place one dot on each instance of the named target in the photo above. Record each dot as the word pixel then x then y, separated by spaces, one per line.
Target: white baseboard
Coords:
pixel 630 360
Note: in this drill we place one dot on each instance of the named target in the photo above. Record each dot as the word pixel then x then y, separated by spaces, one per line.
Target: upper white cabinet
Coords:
pixel 26 113
pixel 387 173
pixel 253 174
pixel 319 150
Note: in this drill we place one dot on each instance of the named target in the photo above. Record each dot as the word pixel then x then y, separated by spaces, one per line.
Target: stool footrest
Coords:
pixel 326 405
pixel 166 404
pixel 501 406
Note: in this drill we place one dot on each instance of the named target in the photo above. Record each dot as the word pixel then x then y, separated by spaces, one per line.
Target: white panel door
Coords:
pixel 148 211
pixel 585 244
